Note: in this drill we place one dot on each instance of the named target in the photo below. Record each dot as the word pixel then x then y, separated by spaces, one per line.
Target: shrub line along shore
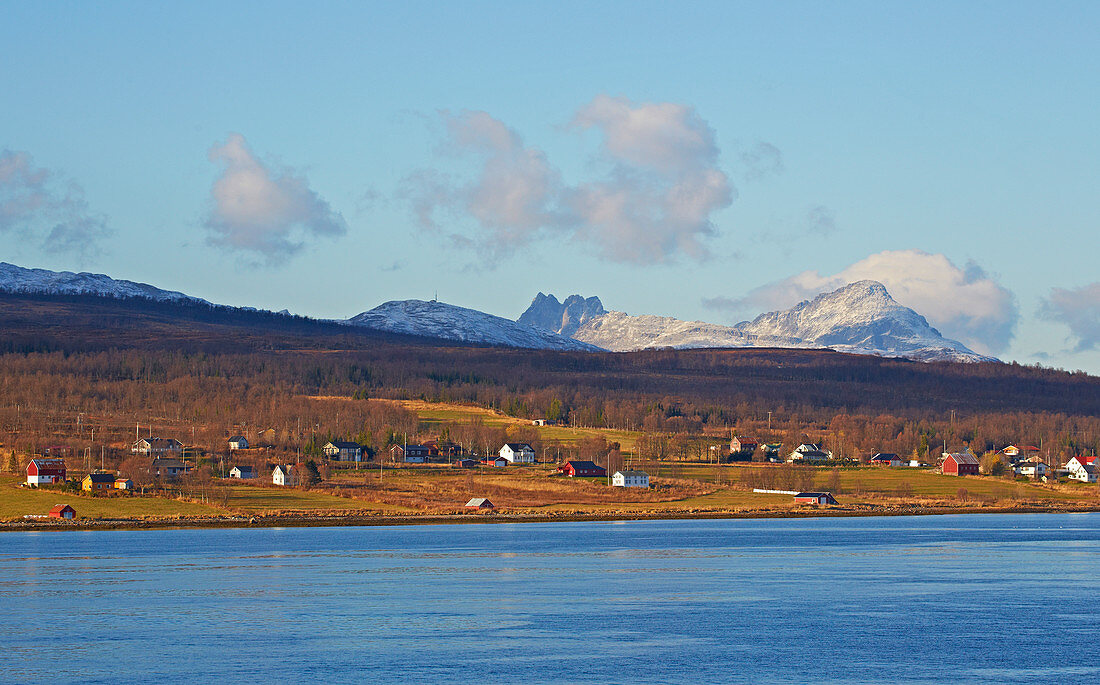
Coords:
pixel 320 520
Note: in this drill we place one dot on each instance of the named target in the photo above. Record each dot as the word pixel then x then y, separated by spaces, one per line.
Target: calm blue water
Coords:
pixel 998 599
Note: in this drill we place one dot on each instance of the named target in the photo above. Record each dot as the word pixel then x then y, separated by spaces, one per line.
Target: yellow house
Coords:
pixel 124 484
pixel 98 482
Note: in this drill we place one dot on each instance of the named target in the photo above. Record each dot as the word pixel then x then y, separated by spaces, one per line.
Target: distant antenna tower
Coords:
pixel 435 297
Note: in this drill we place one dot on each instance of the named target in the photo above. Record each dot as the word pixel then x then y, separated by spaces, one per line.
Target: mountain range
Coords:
pixel 859 318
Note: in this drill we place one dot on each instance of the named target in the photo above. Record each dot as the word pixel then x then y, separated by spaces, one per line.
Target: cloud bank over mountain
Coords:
pixel 1078 308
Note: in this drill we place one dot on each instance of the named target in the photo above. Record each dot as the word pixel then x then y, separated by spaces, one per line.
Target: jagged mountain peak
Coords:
pixel 564 318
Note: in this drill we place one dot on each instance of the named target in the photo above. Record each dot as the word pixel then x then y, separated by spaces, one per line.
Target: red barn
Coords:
pixel 62 511
pixel 582 468
pixel 45 471
pixel 960 464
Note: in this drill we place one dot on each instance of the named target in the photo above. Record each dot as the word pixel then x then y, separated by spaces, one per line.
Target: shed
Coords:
pixel 817 498
pixel 62 511
pixel 479 503
pixel 465 464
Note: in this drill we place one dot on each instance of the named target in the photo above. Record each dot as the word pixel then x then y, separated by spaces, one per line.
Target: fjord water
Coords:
pixel 976 598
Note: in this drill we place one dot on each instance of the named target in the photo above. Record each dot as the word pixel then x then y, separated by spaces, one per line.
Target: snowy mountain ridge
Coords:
pixel 451 322
pixel 16 279
pixel 859 318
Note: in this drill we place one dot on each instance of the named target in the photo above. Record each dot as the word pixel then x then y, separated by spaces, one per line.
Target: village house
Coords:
pixel 98 482
pixel 479 503
pixel 158 447
pixel 630 479
pixel 816 498
pixel 518 453
pixel 885 459
pixel 165 467
pixel 585 469
pixel 772 450
pixel 443 448
pixel 124 484
pixel 284 475
pixel 266 436
pixel 742 444
pixel 62 511
pixel 1031 469
pixel 45 472
pixel 238 442
pixel 1017 452
pixel 242 471
pixel 960 464
pixel 808 452
pixel 411 454
pixel 342 450
pixel 1082 469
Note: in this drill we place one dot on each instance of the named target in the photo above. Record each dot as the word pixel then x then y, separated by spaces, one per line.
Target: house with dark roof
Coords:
pixel 518 453
pixel 885 459
pixel 815 498
pixel 343 450
pixel 743 444
pixel 166 467
pixel 157 446
pixel 238 442
pixel 586 469
pixel 242 471
pixel 630 479
pixel 98 482
pixel 411 454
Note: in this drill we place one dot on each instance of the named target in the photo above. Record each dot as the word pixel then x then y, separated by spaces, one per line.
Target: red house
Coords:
pixel 62 511
pixel 815 498
pixel 582 468
pixel 45 471
pixel 960 464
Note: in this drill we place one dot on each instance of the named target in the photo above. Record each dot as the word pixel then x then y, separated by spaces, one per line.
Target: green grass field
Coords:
pixel 248 499
pixel 15 502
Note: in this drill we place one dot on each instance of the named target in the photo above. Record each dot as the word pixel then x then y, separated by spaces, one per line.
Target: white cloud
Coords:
pixel 1079 309
pixel 268 213
pixel 653 205
pixel 963 303
pixel 44 208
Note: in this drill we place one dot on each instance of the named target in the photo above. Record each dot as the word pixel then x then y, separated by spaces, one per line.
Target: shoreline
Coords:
pixel 370 520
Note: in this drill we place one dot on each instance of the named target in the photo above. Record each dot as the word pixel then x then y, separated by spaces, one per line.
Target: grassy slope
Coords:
pixel 15 502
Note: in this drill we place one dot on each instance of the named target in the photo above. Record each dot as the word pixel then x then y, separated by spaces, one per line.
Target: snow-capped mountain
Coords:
pixel 440 320
pixel 563 317
pixel 860 317
pixel 16 279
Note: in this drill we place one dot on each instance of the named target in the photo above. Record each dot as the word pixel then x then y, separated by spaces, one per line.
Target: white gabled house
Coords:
pixel 630 479
pixel 242 472
pixel 517 453
pixel 343 450
pixel 284 475
pixel 1031 469
pixel 238 442
pixel 1082 469
pixel 158 447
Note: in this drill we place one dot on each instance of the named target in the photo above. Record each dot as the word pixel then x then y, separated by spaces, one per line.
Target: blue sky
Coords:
pixel 703 160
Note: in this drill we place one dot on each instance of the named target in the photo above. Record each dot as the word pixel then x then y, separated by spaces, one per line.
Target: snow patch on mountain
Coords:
pixel 450 322
pixel 16 279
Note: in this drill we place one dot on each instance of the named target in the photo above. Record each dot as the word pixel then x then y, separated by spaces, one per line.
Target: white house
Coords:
pixel 630 479
pixel 158 447
pixel 238 442
pixel 341 450
pixel 242 472
pixel 1031 469
pixel 1082 469
pixel 283 475
pixel 807 452
pixel 518 453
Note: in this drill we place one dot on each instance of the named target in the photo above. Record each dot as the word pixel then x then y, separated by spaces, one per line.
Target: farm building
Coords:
pixel 62 511
pixel 630 479
pixel 960 464
pixel 479 503
pixel 45 471
pixel 817 498
pixel 885 459
pixel 518 453
pixel 98 482
pixel 582 468
pixel 465 464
